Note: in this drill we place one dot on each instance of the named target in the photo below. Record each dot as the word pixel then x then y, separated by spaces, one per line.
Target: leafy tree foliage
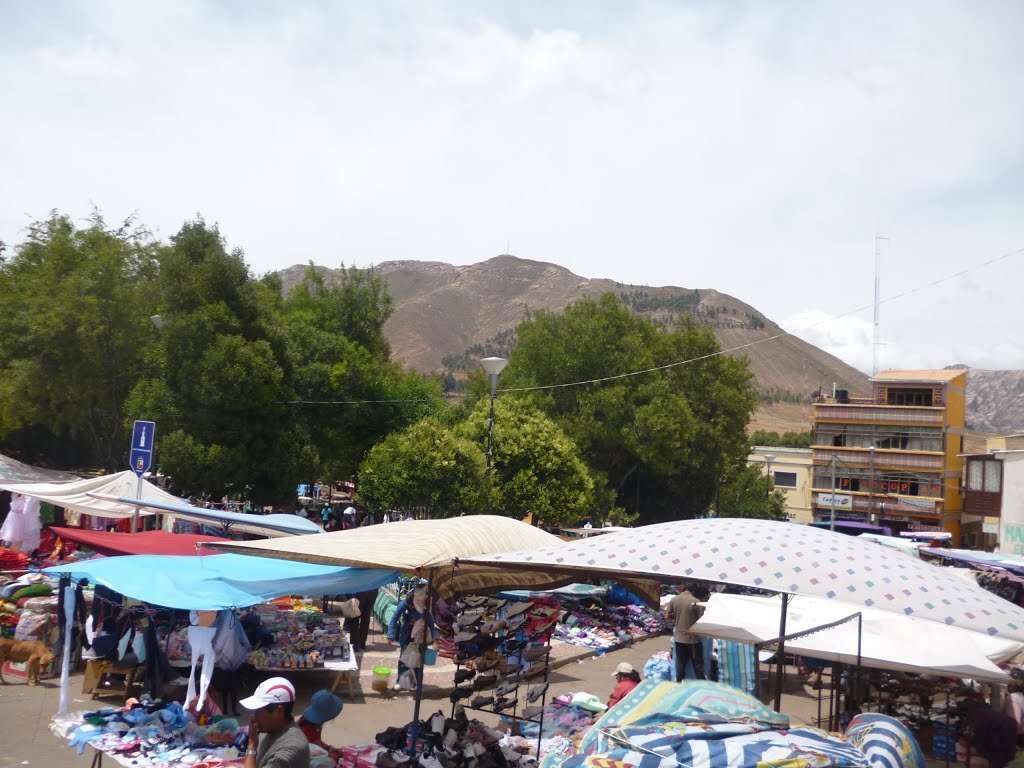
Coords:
pixel 536 467
pixel 787 440
pixel 73 328
pixel 660 440
pixel 748 492
pixel 426 466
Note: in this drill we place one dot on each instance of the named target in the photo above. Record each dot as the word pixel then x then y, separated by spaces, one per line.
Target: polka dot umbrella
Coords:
pixel 779 557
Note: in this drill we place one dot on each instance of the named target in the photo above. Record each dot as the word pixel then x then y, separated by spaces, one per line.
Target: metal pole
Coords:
pixel 781 654
pixel 135 512
pixel 490 423
pixel 871 484
pixel 832 510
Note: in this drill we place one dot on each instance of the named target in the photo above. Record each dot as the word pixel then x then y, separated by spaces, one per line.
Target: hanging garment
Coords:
pixel 13 529
pixel 33 528
pixel 200 638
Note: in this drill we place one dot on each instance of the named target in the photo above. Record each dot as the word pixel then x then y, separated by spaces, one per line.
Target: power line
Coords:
pixel 886 300
pixel 349 402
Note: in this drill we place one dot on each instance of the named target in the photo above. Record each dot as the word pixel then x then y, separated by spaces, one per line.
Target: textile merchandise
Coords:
pixel 664 725
pixel 606 627
pixel 561 718
pixel 886 742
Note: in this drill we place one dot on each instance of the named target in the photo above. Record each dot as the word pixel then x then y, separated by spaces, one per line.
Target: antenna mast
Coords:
pixel 878 266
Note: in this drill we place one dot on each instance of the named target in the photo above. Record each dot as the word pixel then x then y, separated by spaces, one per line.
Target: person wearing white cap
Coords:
pixel 275 741
pixel 626 679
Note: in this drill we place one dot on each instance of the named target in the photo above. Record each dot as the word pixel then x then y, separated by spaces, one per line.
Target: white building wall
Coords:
pixel 1011 524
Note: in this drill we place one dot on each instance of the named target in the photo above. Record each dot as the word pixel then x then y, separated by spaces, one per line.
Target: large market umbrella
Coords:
pixel 778 557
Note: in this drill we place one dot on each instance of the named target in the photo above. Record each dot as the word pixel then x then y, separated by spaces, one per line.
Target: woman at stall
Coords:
pixel 626 679
pixel 323 708
pixel 411 622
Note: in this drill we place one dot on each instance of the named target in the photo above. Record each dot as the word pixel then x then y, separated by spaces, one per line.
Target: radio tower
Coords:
pixel 878 266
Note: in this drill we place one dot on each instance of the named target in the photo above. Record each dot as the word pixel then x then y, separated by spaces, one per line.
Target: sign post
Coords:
pixel 143 437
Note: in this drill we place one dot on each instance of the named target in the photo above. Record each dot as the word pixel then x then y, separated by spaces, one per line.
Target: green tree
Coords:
pixel 346 390
pixel 535 466
pixel 787 440
pixel 73 330
pixel 660 440
pixel 748 492
pixel 426 466
pixel 219 376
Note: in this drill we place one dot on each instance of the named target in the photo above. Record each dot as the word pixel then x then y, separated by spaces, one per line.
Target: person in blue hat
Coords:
pixel 324 707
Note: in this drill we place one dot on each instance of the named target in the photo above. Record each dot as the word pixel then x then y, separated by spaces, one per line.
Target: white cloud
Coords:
pixel 751 148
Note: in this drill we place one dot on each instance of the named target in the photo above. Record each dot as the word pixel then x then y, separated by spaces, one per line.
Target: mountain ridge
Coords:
pixel 443 311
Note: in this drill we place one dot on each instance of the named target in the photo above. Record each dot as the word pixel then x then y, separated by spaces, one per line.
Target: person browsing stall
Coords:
pixel 323 708
pixel 626 679
pixel 275 741
pixel 683 611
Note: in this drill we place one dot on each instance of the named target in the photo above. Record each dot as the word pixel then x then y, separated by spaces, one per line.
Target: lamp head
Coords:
pixel 494 365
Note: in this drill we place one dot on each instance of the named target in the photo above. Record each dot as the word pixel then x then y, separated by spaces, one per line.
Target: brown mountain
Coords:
pixel 995 400
pixel 443 310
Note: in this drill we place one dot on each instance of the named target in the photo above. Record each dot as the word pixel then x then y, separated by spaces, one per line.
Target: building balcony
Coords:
pixel 865 413
pixel 860 458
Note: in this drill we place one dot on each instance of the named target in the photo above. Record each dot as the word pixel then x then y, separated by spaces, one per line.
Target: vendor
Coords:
pixel 275 741
pixel 417 626
pixel 626 679
pixel 324 707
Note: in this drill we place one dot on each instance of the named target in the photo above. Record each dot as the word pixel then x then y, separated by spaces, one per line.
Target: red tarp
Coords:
pixel 143 543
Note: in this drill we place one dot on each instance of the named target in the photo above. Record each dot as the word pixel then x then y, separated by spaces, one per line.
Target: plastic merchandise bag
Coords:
pixel 411 657
pixel 230 644
pixel 407 680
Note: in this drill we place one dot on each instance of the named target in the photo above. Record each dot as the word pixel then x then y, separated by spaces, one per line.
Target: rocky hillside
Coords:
pixel 995 400
pixel 446 317
pixel 443 311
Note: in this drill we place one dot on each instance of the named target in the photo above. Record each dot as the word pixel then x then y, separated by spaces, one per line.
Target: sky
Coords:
pixel 757 148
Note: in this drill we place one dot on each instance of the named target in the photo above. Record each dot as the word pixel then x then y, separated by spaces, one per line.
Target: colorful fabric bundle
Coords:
pixel 666 725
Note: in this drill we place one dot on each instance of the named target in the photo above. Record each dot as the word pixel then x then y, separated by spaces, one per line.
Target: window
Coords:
pixel 909 396
pixel 785 479
pixel 984 475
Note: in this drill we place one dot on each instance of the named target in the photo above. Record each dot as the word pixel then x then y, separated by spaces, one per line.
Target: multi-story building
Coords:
pixel 894 458
pixel 790 469
pixel 993 483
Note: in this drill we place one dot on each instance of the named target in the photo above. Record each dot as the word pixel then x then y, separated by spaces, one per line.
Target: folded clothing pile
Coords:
pixel 567 716
pixel 598 626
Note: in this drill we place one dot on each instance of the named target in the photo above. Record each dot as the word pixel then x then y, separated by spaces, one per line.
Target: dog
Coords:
pixel 36 656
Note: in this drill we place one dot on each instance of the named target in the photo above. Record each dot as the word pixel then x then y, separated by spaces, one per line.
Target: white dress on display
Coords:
pixel 13 529
pixel 33 528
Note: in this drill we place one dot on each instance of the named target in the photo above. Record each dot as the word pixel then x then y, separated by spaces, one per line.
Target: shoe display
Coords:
pixel 481 701
pixel 486 680
pixel 466 636
pixel 484 663
pixel 512 646
pixel 501 704
pixel 536 692
pixel 460 693
pixel 463 675
pixel 512 669
pixel 536 669
pixel 532 711
pixel 506 687
pixel 535 653
pixel 516 608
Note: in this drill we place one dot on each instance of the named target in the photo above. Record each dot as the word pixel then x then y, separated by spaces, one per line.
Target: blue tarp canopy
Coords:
pixel 218 582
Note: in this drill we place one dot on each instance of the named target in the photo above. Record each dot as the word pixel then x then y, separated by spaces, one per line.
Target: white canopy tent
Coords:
pixel 236 522
pixel 14 471
pixel 77 495
pixel 890 642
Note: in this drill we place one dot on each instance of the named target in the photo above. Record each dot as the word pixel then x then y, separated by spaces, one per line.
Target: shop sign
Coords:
pixel 990 528
pixel 839 500
pixel 928 504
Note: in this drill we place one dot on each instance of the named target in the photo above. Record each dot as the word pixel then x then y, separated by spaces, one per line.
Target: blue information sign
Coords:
pixel 143 436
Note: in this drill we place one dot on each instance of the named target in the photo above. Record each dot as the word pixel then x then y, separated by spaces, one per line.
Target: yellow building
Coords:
pixel 893 459
pixel 790 469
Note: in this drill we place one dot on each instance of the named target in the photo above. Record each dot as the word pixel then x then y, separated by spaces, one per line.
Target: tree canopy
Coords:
pixel 661 439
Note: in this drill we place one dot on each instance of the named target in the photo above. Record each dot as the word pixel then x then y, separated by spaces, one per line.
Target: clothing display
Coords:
pixel 21 527
pixel 200 640
pixel 599 626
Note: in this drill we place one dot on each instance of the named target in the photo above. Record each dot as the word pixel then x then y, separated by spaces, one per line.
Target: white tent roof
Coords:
pixel 76 495
pixel 238 522
pixel 14 471
pixel 406 546
pixel 779 557
pixel 887 642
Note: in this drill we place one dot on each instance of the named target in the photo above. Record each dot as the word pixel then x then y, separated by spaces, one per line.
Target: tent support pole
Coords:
pixel 780 654
pixel 135 512
pixel 414 729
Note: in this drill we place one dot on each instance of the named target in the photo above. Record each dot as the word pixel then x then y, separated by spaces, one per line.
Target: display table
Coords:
pixel 344 669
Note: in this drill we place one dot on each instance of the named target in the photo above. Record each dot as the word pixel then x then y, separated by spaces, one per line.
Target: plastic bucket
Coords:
pixel 381 679
pixel 430 656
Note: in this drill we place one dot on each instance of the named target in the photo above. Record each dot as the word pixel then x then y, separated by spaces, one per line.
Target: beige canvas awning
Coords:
pixel 437 546
pixel 76 495
pixel 410 546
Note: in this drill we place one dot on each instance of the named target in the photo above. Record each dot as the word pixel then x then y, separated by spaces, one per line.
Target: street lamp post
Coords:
pixel 493 366
pixel 768 459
